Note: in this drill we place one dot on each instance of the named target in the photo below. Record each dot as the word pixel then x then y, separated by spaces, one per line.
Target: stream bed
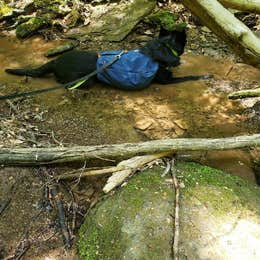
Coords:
pixel 104 115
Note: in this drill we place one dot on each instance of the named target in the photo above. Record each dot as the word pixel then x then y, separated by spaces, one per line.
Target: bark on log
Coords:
pixel 41 156
pixel 224 24
pixel 252 6
pixel 245 93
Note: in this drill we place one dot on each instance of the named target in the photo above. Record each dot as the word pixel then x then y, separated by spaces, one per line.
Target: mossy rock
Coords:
pixel 48 6
pixel 167 20
pixel 5 10
pixel 31 27
pixel 136 222
pixel 216 208
pixel 73 18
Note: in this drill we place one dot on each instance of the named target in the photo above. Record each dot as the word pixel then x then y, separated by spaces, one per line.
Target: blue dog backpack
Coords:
pixel 133 70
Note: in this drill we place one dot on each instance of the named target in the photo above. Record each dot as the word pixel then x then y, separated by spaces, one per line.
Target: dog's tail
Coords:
pixel 38 72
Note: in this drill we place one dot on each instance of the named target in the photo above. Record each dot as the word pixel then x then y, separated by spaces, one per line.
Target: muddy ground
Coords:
pixel 103 115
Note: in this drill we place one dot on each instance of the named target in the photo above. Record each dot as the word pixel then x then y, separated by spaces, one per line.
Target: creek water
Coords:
pixel 105 115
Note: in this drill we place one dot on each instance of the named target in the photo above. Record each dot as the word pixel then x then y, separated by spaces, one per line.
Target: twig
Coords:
pixel 246 93
pixel 73 207
pixel 11 105
pixel 81 173
pixel 4 205
pixel 55 139
pixel 24 243
pixel 167 169
pixel 175 247
pixel 229 70
pixel 61 213
pixel 130 166
pixel 52 155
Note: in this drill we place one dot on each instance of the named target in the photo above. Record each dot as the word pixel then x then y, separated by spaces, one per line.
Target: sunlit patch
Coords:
pixel 242 242
pixel 155 119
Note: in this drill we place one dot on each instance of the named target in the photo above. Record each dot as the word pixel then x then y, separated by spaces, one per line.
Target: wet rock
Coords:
pixel 166 20
pixel 73 18
pixel 143 124
pixel 136 222
pixel 62 48
pixel 48 6
pixel 31 26
pixel 116 23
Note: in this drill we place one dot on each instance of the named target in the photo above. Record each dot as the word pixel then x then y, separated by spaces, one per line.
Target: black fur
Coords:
pixel 76 64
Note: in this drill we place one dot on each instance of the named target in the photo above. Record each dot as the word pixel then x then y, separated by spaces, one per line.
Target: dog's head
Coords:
pixel 167 48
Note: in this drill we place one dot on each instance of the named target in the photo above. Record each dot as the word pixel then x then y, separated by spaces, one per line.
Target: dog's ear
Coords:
pixel 163 32
pixel 177 40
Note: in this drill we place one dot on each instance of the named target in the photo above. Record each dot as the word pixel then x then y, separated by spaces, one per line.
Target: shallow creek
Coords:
pixel 102 115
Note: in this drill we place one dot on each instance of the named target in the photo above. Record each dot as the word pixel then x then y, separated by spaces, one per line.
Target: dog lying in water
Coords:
pixel 163 53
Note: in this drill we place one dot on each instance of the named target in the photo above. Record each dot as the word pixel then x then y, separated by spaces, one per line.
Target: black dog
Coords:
pixel 165 50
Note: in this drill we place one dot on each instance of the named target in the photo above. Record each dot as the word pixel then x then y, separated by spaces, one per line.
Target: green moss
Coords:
pixel 89 248
pixel 124 225
pixel 73 18
pixel 48 5
pixel 221 190
pixel 30 27
pixel 4 9
pixel 104 233
pixel 95 237
pixel 166 20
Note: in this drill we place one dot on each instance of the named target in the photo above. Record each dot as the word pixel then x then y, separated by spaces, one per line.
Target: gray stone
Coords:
pixel 219 218
pixel 116 23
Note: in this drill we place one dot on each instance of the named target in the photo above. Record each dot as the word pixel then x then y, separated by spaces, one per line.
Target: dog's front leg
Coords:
pixel 164 76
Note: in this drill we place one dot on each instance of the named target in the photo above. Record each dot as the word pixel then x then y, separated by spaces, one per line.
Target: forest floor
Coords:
pixel 103 115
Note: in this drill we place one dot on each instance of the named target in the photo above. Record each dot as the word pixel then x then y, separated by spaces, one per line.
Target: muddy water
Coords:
pixel 104 115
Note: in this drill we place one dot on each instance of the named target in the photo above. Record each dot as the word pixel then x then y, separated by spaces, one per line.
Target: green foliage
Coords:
pixel 234 192
pixel 167 20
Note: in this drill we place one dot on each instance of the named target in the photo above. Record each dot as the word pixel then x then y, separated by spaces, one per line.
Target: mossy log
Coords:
pixel 41 156
pixel 225 25
pixel 252 6
pixel 245 93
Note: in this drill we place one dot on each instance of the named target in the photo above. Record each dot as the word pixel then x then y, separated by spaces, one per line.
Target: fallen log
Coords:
pixel 252 6
pixel 245 93
pixel 226 26
pixel 41 156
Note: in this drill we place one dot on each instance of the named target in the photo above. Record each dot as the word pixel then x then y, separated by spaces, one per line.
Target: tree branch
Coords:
pixel 252 6
pixel 41 156
pixel 225 25
pixel 245 93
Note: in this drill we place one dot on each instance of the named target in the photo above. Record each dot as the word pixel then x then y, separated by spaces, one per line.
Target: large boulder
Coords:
pixel 136 223
pixel 219 218
pixel 220 215
pixel 116 22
